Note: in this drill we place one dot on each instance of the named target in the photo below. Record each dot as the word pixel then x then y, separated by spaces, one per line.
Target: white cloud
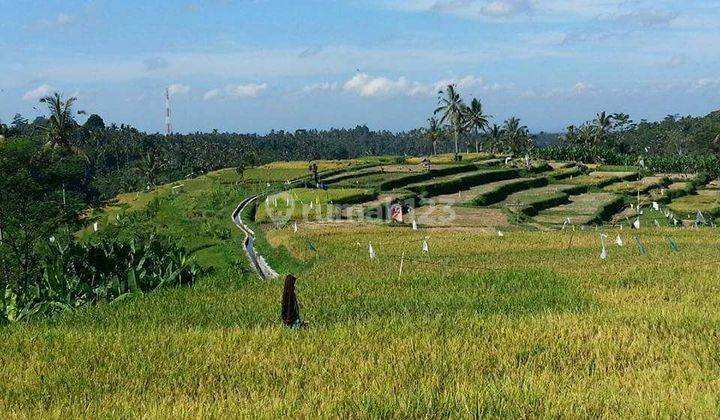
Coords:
pixel 368 86
pixel 38 93
pixel 705 84
pixel 212 94
pixel 64 20
pixel 178 89
pixel 250 90
pixel 323 86
pixel 506 8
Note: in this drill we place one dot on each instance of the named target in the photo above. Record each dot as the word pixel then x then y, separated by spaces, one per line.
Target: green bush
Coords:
pixel 77 274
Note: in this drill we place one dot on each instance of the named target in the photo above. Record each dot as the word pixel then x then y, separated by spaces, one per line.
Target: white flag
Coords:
pixel 619 241
pixel 95 226
pixel 295 227
pixel 699 218
pixel 603 253
pixel 499 233
pixel 414 225
pixel 636 223
pixel 371 250
pixel 311 205
pixel 565 223
pixel 425 247
pixel 675 221
pixel 657 223
pixel 656 206
pixel 507 160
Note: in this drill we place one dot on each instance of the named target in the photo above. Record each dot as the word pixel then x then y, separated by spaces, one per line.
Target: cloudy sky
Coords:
pixel 257 65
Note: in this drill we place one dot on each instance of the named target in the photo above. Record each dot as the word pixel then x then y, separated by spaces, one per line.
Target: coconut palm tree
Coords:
pixel 433 133
pixel 451 109
pixel 476 121
pixel 59 122
pixel 517 135
pixel 603 124
pixel 494 137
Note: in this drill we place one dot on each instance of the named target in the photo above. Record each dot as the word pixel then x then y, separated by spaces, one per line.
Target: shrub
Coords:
pixel 78 274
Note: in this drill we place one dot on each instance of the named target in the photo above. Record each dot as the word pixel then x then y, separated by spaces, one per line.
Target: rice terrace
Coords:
pixel 506 241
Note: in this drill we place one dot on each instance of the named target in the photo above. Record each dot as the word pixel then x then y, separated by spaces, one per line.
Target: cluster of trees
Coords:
pixel 675 143
pixel 469 122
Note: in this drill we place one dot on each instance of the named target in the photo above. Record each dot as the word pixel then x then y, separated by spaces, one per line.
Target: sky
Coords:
pixel 258 65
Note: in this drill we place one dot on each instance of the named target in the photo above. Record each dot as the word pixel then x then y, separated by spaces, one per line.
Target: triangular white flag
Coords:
pixel 656 206
pixel 425 247
pixel 619 241
pixel 295 228
pixel 603 253
pixel 371 250
pixel 95 226
pixel 636 223
pixel 414 225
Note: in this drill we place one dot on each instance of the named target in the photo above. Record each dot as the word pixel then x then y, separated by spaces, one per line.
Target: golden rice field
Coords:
pixel 531 324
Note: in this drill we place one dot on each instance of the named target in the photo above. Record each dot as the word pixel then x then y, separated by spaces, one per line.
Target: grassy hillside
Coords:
pixel 526 325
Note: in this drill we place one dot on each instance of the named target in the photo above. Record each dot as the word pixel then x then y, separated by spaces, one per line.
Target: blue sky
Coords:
pixel 257 65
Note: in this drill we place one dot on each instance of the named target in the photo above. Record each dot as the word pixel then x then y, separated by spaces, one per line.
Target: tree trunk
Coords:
pixel 457 137
pixel 434 148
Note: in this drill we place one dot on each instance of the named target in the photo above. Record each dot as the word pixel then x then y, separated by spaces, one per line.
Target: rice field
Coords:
pixel 528 324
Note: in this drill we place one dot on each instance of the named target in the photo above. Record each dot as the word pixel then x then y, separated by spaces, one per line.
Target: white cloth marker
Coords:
pixel 371 250
pixel 425 247
pixel 603 253
pixel 619 241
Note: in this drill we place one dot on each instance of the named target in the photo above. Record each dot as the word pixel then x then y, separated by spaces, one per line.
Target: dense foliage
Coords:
pixel 75 274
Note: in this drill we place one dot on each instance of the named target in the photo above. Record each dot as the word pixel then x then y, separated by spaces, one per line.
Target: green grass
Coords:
pixel 532 324
pixel 582 209
pixel 299 203
pixel 590 181
pixel 707 201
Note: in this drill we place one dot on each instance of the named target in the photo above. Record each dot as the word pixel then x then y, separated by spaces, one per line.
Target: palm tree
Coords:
pixel 517 135
pixel 494 137
pixel 60 121
pixel 603 123
pixel 451 107
pixel 476 121
pixel 433 133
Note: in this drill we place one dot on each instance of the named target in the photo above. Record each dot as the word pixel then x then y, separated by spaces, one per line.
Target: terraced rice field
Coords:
pixel 583 209
pixel 706 201
pixel 303 203
pixel 480 192
pixel 533 200
pixel 633 187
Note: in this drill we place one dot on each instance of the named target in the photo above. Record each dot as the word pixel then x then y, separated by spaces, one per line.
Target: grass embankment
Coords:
pixel 533 324
pixel 311 204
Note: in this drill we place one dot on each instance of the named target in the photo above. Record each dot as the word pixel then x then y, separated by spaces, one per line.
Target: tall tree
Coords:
pixel 433 133
pixel 451 108
pixel 603 124
pixel 60 121
pixel 517 136
pixel 476 121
